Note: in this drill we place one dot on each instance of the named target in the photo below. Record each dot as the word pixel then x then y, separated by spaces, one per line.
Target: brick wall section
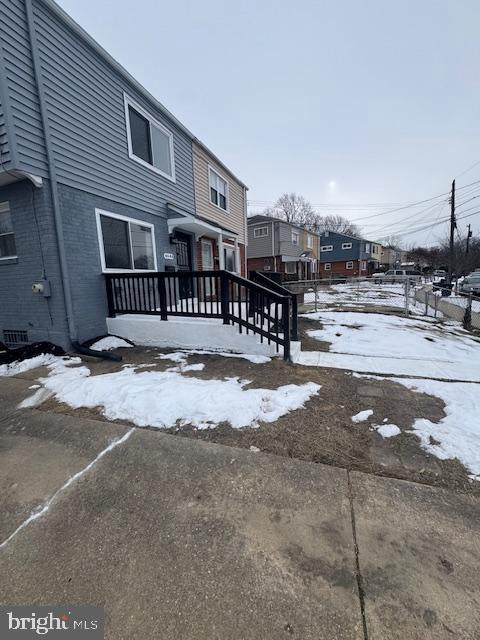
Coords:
pixel 340 269
pixel 43 318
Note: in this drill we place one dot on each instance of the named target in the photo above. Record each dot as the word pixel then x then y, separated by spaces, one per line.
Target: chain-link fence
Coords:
pixel 402 295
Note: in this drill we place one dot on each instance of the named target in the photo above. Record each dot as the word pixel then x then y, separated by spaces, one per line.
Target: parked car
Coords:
pixel 398 275
pixel 471 284
pixel 439 273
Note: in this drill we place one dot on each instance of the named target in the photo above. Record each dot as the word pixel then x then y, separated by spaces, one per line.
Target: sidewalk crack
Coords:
pixel 358 573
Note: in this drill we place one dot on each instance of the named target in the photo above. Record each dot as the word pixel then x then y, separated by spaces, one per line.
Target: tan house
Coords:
pixel 215 236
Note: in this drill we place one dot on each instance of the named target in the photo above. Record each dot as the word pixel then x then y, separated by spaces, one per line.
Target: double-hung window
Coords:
pixel 309 242
pixel 218 189
pixel 260 232
pixel 126 244
pixel 295 238
pixel 349 265
pixel 149 142
pixel 7 236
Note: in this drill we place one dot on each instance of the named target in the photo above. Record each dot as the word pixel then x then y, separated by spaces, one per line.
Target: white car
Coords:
pixel 398 275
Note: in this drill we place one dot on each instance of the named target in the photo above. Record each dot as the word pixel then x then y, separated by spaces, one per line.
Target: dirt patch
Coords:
pixel 323 430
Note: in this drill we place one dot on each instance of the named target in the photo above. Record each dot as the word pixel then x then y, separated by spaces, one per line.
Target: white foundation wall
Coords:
pixel 188 333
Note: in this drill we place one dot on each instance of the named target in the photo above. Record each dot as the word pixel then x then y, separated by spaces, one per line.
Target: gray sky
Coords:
pixel 346 102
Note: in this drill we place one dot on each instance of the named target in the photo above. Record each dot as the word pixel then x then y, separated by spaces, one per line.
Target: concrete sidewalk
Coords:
pixel 178 538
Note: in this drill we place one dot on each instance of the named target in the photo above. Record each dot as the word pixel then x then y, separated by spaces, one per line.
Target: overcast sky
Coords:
pixel 346 102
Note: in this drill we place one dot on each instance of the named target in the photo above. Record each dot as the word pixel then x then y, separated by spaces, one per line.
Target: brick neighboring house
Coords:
pixel 96 177
pixel 345 255
pixel 278 246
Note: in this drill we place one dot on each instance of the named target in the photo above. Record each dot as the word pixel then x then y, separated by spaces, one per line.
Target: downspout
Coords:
pixel 52 175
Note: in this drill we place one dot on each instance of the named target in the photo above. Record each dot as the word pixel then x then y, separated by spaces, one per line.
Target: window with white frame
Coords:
pixel 126 244
pixel 327 247
pixel 295 238
pixel 291 267
pixel 218 189
pixel 364 265
pixel 367 247
pixel 346 245
pixel 7 236
pixel 309 242
pixel 327 266
pixel 260 232
pixel 349 265
pixel 149 142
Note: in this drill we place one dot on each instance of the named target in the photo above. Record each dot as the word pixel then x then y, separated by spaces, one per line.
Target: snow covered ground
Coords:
pixel 362 293
pixel 108 343
pixel 389 344
pixel 163 399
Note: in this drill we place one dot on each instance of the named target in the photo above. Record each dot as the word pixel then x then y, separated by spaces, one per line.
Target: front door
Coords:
pixel 184 262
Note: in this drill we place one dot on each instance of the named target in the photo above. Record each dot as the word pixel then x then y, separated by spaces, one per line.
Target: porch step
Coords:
pixel 190 333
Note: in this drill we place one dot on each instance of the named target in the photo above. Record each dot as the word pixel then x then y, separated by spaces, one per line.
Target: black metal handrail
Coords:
pixel 253 307
pixel 269 282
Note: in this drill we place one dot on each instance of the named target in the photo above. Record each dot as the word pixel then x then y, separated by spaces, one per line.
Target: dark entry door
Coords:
pixel 184 263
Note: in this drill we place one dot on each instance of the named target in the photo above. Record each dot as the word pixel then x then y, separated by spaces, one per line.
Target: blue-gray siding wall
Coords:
pixel 83 254
pixel 85 100
pixel 4 150
pixel 339 254
pixel 44 319
pixel 21 86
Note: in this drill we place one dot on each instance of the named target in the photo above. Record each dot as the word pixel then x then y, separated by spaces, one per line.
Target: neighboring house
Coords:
pixel 391 257
pixel 96 176
pixel 278 246
pixel 345 255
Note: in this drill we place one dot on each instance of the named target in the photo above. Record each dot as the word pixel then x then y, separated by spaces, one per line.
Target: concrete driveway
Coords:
pixel 179 538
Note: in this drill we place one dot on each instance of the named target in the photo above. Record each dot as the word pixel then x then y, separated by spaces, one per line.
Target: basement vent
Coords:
pixel 13 338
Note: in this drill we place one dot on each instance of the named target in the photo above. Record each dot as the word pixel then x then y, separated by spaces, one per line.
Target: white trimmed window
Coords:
pixel 346 245
pixel 260 232
pixel 327 247
pixel 295 238
pixel 149 142
pixel 367 247
pixel 364 265
pixel 290 267
pixel 218 189
pixel 349 265
pixel 7 236
pixel 309 242
pixel 327 266
pixel 126 244
pixel 230 259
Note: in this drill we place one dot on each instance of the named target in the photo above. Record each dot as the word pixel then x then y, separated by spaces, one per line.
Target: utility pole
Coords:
pixel 453 225
pixel 469 235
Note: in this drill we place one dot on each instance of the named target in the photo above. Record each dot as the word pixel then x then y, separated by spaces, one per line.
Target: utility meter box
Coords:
pixel 42 288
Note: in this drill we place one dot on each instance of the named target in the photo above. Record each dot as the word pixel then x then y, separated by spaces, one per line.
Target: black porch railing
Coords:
pixel 253 307
pixel 270 282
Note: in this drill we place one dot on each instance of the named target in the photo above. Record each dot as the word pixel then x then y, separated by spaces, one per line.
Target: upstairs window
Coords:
pixel 309 242
pixel 7 236
pixel 327 247
pixel 346 245
pixel 218 189
pixel 260 232
pixel 295 238
pixel 126 244
pixel 149 142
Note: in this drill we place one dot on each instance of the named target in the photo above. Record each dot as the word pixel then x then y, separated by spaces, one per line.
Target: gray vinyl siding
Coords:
pixel 260 247
pixel 85 102
pixel 4 148
pixel 287 248
pixel 21 86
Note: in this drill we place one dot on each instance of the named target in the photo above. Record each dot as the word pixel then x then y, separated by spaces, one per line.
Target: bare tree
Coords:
pixel 291 208
pixel 338 223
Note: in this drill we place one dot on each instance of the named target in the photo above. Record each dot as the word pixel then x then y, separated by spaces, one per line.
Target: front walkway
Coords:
pixel 178 538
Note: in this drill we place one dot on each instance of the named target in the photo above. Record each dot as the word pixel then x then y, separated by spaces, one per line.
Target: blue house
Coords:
pixel 96 177
pixel 344 255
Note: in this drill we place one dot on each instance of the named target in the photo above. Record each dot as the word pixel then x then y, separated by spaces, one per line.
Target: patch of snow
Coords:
pixel 191 367
pixel 163 399
pixel 180 356
pixel 254 449
pixel 43 360
pixel 108 343
pixel 387 430
pixel 362 416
